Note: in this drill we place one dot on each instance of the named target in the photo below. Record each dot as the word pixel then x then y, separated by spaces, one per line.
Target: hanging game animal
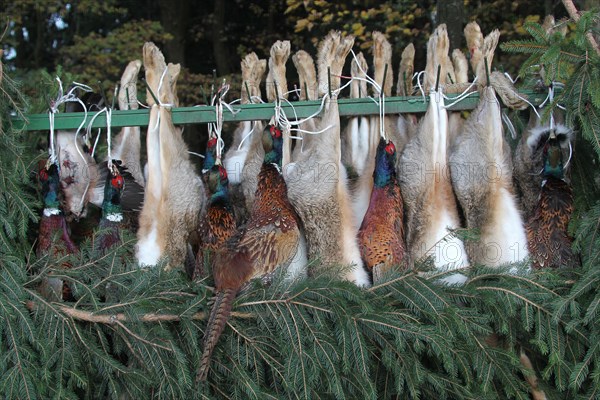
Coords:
pixel 174 194
pixel 54 239
pixel 381 235
pixel 548 227
pixel 270 240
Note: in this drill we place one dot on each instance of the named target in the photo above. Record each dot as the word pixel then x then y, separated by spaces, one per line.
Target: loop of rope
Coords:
pixel 160 104
pixel 62 98
pixel 380 92
pixel 461 96
pixel 215 129
pixel 108 135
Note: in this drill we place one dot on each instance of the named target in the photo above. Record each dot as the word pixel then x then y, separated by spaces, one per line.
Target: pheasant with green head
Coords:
pixel 270 240
pixel 547 229
pixel 210 156
pixel 108 233
pixel 381 235
pixel 218 224
pixel 54 239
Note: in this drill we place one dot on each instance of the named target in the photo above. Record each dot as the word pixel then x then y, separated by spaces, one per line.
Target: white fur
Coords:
pixel 147 249
pixel 236 158
pixel 117 151
pixel 505 239
pixel 360 155
pixel 297 268
pixel 154 174
pixel 51 211
pixel 117 217
pixel 560 129
pixel 350 250
pixel 360 202
pixel 448 251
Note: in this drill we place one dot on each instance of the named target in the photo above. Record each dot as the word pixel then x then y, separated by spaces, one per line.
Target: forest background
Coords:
pixel 94 40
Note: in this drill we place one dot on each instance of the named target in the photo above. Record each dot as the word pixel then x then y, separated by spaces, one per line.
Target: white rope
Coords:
pixel 570 155
pixel 509 125
pixel 62 98
pixel 461 96
pixel 215 129
pixel 196 154
pixel 161 104
pixel 418 76
pixel 252 127
pixel 528 102
pixel 108 135
pixel 367 77
pixel 90 123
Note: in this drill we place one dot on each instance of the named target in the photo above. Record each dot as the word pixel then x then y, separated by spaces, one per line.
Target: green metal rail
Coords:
pixel 249 112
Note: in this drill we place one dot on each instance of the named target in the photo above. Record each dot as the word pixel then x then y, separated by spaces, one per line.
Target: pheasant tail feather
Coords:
pixel 216 324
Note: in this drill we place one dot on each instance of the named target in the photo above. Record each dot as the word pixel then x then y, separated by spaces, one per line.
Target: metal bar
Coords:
pixel 250 112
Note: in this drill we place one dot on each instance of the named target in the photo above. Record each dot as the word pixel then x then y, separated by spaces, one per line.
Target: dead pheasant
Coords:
pixel 381 235
pixel 53 237
pixel 112 213
pixel 547 229
pixel 218 225
pixel 270 240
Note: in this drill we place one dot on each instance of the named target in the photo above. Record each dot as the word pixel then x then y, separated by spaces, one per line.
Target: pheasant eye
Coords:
pixel 390 148
pixel 117 182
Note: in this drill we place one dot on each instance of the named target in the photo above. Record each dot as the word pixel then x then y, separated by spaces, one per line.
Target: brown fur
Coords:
pixel 317 184
pixel 437 56
pixel 243 163
pixel 480 150
pixel 126 145
pixel 276 81
pixel 461 69
pixel 423 173
pixel 174 195
pixel 407 123
pixel 307 76
pixel 78 173
pixel 406 71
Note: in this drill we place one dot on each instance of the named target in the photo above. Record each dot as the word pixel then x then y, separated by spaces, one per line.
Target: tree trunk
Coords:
pixel 452 13
pixel 174 17
pixel 220 49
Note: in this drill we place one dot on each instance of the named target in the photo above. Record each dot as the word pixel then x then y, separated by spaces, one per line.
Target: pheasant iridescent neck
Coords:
pixel 553 163
pixel 218 185
pixel 385 161
pixel 113 188
pixel 210 157
pixel 272 140
pixel 50 187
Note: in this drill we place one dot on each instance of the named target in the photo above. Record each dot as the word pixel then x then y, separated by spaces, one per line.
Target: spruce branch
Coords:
pixel 573 13
pixel 118 318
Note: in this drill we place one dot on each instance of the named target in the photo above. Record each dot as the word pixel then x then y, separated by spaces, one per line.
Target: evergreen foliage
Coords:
pixel 137 333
